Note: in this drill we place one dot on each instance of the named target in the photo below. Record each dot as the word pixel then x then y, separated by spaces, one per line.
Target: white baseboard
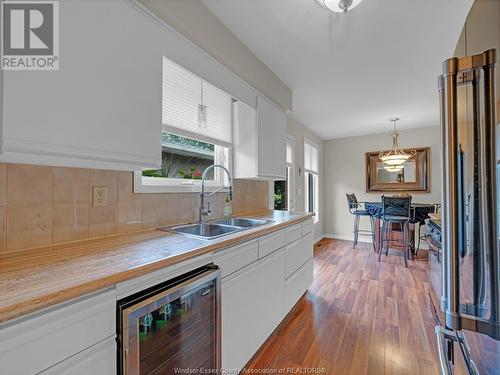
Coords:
pixel 361 238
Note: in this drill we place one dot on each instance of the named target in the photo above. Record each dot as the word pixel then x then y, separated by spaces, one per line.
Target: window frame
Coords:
pixel 291 176
pixel 316 175
pixel 179 185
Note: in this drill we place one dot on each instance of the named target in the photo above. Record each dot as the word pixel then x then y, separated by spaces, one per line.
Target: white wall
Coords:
pixel 299 132
pixel 344 166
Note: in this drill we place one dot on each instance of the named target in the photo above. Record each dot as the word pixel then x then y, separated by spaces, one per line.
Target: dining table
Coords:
pixel 419 212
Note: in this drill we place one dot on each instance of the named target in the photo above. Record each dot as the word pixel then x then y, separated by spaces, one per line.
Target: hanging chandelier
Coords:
pixel 394 168
pixel 395 158
pixel 339 6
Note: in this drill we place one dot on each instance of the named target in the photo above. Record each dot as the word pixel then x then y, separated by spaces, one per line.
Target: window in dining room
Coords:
pixel 311 173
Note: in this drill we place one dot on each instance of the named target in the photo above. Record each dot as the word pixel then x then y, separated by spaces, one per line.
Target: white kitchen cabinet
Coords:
pixel 98 109
pixel 256 298
pixel 241 313
pixel 297 253
pixel 259 140
pixel 272 292
pixel 99 359
pixel 297 284
pixel 103 107
pixel 252 307
pixel 55 335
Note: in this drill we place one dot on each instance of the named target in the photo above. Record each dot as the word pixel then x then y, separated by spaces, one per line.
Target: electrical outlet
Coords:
pixel 100 196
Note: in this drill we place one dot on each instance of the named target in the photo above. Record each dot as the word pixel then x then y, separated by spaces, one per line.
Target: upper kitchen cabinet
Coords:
pixel 259 140
pixel 102 108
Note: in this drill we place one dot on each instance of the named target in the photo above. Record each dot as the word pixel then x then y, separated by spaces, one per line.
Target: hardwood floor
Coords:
pixel 360 316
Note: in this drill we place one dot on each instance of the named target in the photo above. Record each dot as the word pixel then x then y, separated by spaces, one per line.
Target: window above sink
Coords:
pixel 196 132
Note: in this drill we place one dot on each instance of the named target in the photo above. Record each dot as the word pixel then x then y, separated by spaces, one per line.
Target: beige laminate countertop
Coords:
pixel 36 279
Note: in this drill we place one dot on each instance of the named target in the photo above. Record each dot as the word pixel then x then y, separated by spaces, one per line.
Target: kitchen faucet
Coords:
pixel 205 212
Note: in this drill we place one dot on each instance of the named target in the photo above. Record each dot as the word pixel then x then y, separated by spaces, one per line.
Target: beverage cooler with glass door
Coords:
pixel 173 327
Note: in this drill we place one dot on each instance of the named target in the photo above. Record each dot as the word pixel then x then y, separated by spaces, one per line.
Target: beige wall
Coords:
pixel 299 132
pixel 198 24
pixel 41 205
pixel 345 173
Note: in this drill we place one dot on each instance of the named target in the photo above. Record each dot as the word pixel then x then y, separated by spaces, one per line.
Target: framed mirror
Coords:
pixel 414 176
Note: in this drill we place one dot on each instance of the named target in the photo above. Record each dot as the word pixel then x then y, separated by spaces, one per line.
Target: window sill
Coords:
pixel 194 187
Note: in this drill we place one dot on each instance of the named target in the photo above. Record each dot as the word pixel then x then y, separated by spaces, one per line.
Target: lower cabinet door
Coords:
pixel 99 359
pixel 241 314
pixel 272 292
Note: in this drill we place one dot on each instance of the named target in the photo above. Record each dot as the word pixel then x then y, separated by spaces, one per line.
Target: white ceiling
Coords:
pixel 351 73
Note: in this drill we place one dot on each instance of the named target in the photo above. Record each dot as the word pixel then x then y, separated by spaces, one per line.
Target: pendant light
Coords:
pixel 395 157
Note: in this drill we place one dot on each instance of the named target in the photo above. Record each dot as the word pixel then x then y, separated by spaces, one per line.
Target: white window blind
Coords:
pixel 310 157
pixel 181 98
pixel 183 93
pixel 219 116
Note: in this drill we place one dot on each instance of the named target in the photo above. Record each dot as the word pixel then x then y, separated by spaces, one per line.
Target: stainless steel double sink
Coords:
pixel 217 228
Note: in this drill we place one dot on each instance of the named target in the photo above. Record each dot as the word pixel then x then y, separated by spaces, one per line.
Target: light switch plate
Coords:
pixel 100 196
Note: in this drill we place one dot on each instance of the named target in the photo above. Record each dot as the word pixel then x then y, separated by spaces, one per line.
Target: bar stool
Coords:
pixel 354 208
pixel 395 210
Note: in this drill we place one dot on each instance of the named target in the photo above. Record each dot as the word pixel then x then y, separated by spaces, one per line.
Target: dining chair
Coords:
pixel 354 208
pixel 395 210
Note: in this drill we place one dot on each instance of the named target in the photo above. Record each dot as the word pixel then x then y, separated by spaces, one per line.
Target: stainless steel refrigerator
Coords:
pixel 469 266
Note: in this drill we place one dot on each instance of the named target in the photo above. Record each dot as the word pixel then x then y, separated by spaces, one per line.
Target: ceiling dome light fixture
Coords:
pixel 396 157
pixel 339 6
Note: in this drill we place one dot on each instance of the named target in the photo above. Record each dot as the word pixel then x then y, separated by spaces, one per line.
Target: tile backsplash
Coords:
pixel 41 205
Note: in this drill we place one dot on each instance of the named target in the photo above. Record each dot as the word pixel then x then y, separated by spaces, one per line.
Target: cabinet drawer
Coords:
pixel 307 227
pixel 271 243
pixel 100 359
pixel 57 334
pixel 292 234
pixel 297 284
pixel 235 258
pixel 298 253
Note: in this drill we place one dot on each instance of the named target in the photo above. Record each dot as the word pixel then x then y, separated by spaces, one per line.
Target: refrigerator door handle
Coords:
pixel 441 336
pixel 449 336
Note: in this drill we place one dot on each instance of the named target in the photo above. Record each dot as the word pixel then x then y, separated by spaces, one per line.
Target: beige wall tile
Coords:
pixel 28 184
pixel 129 215
pixel 3 184
pixel 3 229
pixel 54 204
pixel 103 221
pixel 70 222
pixel 29 226
pixel 70 185
pixel 156 209
pixel 125 183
